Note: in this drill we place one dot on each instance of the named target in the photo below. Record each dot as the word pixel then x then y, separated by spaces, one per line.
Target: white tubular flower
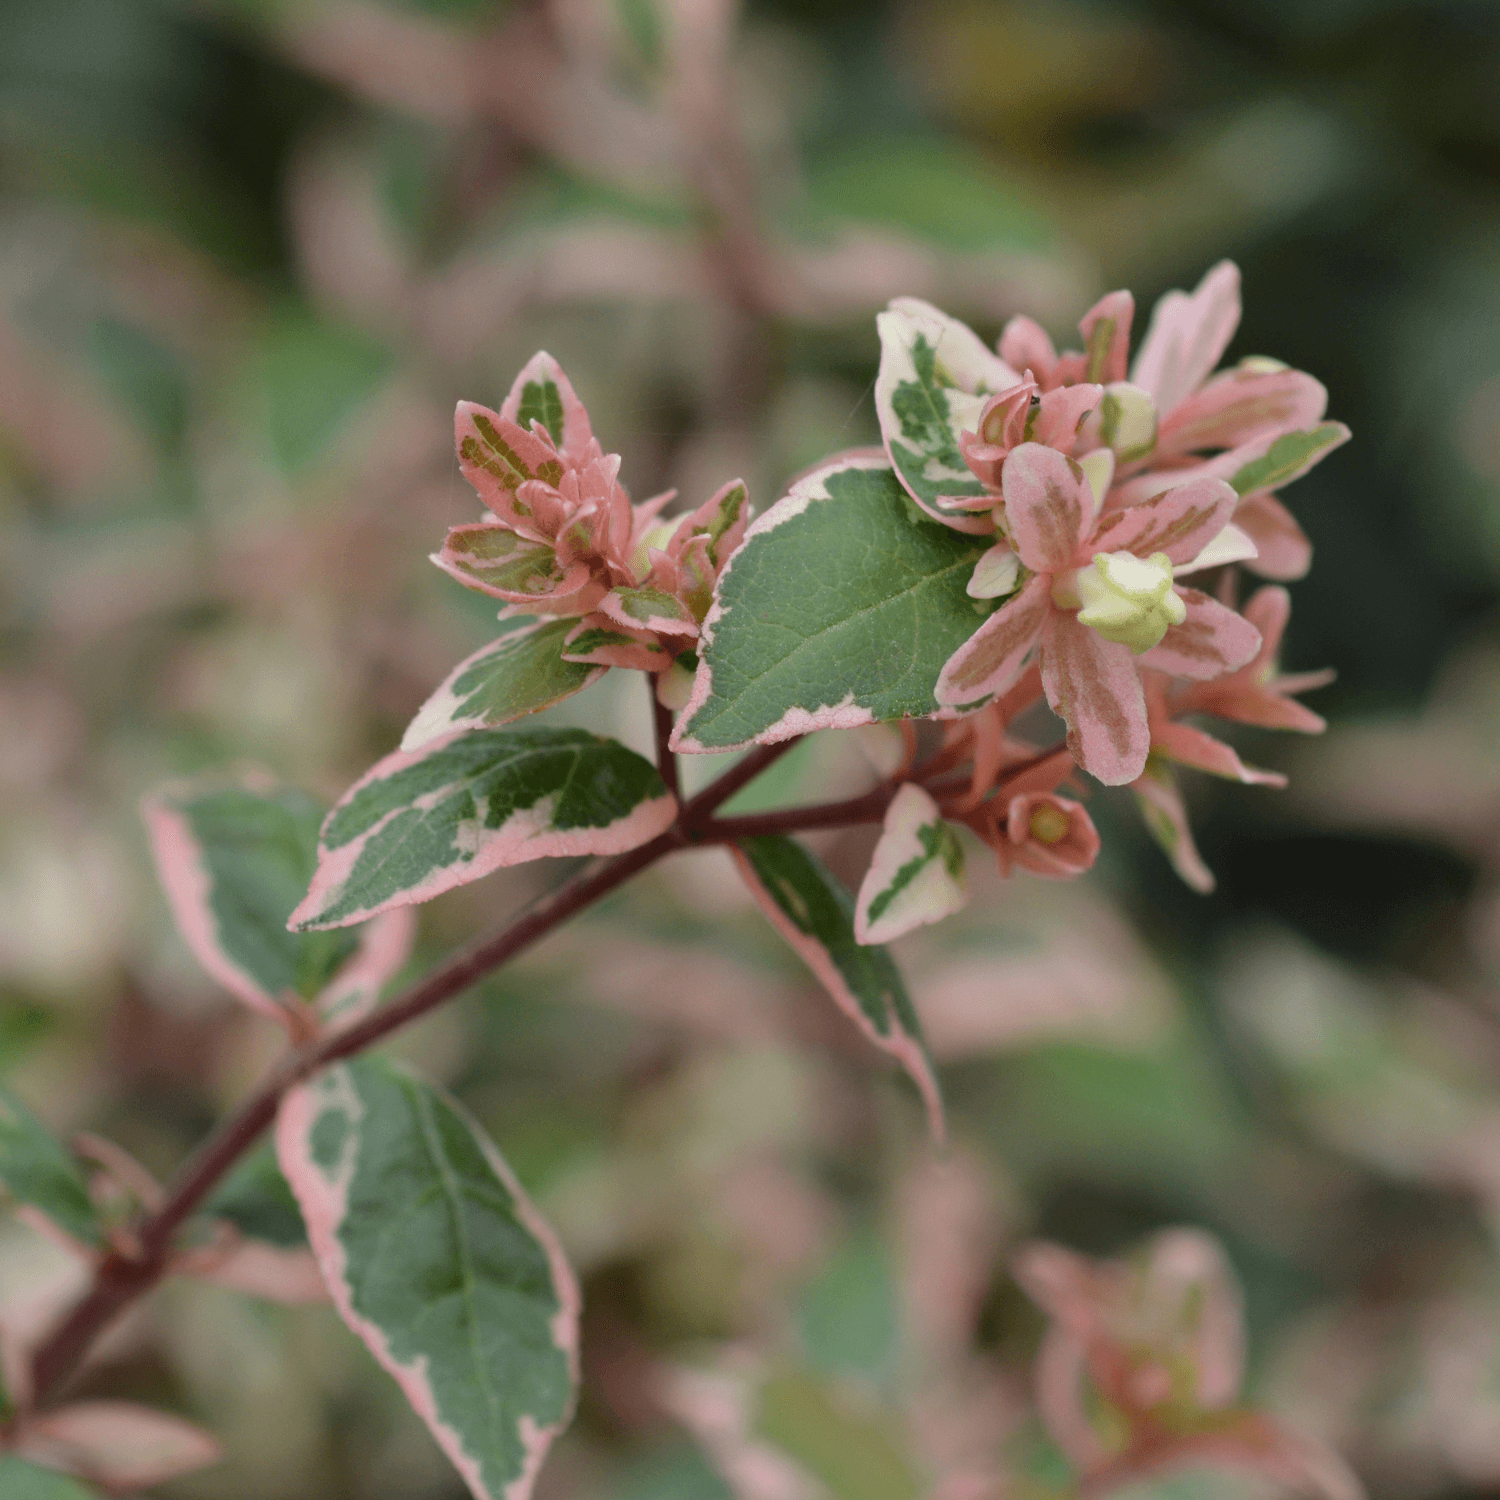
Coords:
pixel 1129 599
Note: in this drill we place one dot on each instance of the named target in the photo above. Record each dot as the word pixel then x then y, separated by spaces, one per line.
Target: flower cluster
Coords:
pixel 562 538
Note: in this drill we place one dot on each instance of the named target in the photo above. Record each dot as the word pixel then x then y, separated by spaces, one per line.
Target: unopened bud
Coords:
pixel 1128 599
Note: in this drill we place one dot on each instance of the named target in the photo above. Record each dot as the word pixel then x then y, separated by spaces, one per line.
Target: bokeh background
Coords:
pixel 251 252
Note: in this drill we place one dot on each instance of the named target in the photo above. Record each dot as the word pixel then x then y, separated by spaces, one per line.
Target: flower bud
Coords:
pixel 1129 599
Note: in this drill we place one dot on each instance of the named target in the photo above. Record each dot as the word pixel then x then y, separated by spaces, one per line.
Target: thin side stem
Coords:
pixel 869 808
pixel 661 718
pixel 121 1279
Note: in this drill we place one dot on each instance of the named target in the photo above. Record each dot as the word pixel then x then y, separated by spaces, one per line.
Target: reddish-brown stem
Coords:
pixel 661 718
pixel 121 1279
pixel 869 808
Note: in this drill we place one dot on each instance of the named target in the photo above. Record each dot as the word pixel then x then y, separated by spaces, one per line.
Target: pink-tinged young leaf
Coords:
pixel 995 655
pixel 723 518
pixel 916 874
pixel 1164 813
pixel 1093 685
pixel 115 1443
pixel 1282 550
pixel 497 457
pixel 1180 522
pixel 471 1306
pixel 490 558
pixel 1025 345
pixel 384 947
pixel 276 1273
pixel 418 824
pixel 600 641
pixel 1187 334
pixel 1240 406
pixel 1047 507
pixel 1106 337
pixel 649 609
pixel 234 860
pixel 542 393
pixel 1061 413
pixel 521 673
pixel 815 914
pixel 1211 641
pixel 935 376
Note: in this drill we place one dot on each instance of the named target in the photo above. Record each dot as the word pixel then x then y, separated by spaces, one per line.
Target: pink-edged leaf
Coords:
pixel 470 1304
pixel 1048 506
pixel 916 873
pixel 1286 458
pixel 1164 813
pixel 385 944
pixel 1026 345
pixel 723 518
pixel 1282 550
pixel 542 393
pixel 497 457
pixel 1239 406
pixel 1187 334
pixel 1186 746
pixel 1180 522
pixel 234 859
pixel 521 673
pixel 1211 641
pixel 115 1443
pixel 815 914
pixel 489 557
pixel 1093 685
pixel 995 655
pixel 418 824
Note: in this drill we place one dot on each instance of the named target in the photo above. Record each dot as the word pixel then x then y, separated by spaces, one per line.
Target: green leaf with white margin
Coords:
pixel 815 914
pixel 234 861
pixel 20 1480
pixel 917 873
pixel 1288 458
pixel 439 1262
pixel 839 608
pixel 935 376
pixel 520 673
pixel 419 823
pixel 37 1171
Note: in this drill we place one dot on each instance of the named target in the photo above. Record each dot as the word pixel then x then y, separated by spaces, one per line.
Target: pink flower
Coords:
pixel 1140 1371
pixel 1049 835
pixel 562 538
pixel 1101 594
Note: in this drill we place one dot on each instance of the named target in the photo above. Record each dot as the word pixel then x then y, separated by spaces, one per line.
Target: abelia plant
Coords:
pixel 1017 546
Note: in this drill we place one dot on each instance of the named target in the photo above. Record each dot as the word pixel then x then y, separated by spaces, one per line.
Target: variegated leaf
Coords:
pixel 916 875
pixel 1288 458
pixel 438 1261
pixel 519 674
pixel 933 381
pixel 492 559
pixel 20 1480
pixel 234 861
pixel 815 914
pixel 36 1170
pixel 417 824
pixel 839 609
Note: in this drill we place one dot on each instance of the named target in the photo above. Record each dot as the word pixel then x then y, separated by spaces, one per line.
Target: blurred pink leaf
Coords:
pixel 115 1443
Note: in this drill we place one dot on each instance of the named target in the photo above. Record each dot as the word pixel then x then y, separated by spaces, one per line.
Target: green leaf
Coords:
pixel 839 608
pixel 257 1199
pixel 437 1260
pixel 419 823
pixel 848 1314
pixel 1289 457
pixel 850 1451
pixel 23 1481
pixel 518 674
pixel 234 863
pixel 934 378
pixel 815 914
pixel 36 1170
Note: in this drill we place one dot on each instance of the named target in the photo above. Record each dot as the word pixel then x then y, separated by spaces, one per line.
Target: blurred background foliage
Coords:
pixel 251 251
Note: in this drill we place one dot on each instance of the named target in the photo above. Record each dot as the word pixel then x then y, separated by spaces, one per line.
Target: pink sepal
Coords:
pixel 1092 684
pixel 1192 747
pixel 1187 334
pixel 1180 522
pixel 1283 551
pixel 1212 640
pixel 993 657
pixel 1047 507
